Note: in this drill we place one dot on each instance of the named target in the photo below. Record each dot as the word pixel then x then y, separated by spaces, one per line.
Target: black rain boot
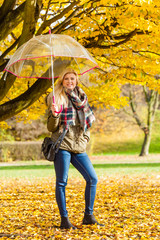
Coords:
pixel 65 223
pixel 90 219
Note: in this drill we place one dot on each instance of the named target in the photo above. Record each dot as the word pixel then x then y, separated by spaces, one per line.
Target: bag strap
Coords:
pixel 60 139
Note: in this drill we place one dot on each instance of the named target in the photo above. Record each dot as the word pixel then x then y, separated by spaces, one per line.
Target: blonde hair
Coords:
pixel 60 96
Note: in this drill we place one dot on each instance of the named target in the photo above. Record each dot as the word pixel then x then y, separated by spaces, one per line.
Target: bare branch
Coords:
pixel 56 18
pixel 2 61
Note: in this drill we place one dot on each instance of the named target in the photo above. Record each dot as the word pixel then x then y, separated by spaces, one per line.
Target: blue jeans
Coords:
pixel 83 164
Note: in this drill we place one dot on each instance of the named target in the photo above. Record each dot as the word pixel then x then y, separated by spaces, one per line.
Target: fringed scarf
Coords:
pixel 78 105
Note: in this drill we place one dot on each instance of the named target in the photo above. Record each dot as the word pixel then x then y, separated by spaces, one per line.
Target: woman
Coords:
pixel 76 118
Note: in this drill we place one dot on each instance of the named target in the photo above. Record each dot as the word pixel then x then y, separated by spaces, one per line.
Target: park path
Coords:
pixel 101 159
pixel 151 158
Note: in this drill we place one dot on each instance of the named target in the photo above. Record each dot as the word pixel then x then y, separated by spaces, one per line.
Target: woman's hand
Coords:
pixel 53 109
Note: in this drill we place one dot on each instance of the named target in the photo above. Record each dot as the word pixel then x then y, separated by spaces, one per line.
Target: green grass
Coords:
pixel 128 141
pixel 27 171
pixel 103 146
pixel 30 171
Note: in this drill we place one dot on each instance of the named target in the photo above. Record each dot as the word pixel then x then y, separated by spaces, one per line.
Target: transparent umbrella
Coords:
pixel 46 56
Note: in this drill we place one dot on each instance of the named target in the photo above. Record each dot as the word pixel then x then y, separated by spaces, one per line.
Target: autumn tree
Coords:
pixel 143 104
pixel 123 36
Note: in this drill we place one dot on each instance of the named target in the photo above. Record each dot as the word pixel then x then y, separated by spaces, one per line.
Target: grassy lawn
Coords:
pixel 127 141
pixel 103 145
pixel 102 167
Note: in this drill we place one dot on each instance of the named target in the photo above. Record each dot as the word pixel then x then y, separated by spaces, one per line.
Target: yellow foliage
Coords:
pixel 136 60
pixel 34 112
pixel 106 94
pixel 128 205
pixel 4 125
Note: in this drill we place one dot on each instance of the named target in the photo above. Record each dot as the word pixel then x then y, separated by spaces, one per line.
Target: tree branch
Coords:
pixel 5 85
pixel 56 18
pixel 31 16
pixel 95 44
pixel 6 7
pixel 11 21
pixel 15 106
pixel 146 93
pixel 26 99
pixel 2 61
pixel 66 22
pixel 135 115
pixel 32 11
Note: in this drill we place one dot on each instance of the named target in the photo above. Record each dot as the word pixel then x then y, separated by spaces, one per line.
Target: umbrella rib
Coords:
pixel 73 57
pixel 49 50
pixel 43 43
pixel 20 56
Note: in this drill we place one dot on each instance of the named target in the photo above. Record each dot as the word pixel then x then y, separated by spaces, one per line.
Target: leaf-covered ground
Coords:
pixel 129 206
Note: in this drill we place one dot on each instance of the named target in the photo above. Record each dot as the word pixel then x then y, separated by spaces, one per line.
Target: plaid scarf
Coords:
pixel 78 105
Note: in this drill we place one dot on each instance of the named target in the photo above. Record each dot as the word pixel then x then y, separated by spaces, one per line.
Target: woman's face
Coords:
pixel 69 81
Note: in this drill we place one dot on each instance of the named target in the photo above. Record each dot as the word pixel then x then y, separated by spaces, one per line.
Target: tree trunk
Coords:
pixel 152 102
pixel 151 98
pixel 146 144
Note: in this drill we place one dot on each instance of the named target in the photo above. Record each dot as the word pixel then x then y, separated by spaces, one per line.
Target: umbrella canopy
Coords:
pixel 46 56
pixel 47 53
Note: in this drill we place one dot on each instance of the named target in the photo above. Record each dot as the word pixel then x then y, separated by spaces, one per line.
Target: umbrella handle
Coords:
pixel 61 106
pixel 59 110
